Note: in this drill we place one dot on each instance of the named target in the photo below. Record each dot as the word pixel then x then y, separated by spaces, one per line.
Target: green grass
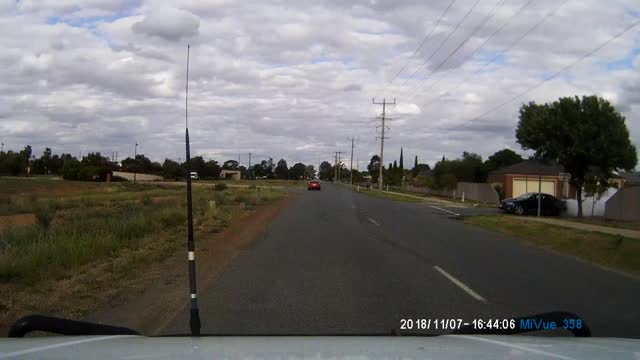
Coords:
pixel 611 251
pixel 631 225
pixel 14 185
pixel 285 183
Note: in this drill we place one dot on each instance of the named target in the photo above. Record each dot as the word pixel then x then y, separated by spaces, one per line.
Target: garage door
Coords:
pixel 521 186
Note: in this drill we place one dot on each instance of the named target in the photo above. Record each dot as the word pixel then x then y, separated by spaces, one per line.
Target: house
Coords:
pixel 630 178
pixel 230 174
pixel 523 177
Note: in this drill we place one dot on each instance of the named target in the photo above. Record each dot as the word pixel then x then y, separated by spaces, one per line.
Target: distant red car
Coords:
pixel 313 185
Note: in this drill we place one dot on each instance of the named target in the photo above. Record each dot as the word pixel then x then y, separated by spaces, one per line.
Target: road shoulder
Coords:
pixel 156 301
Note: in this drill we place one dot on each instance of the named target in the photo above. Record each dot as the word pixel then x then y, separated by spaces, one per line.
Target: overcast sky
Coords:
pixel 295 79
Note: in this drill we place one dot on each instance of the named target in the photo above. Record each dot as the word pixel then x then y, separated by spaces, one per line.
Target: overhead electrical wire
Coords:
pixel 551 77
pixel 475 30
pixel 442 42
pixel 471 54
pixel 509 47
pixel 424 40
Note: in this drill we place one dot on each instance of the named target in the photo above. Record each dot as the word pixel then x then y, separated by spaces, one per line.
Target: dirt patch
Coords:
pixel 17 220
pixel 162 291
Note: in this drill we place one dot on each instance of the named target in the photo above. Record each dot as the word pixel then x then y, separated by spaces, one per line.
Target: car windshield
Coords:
pixel 321 167
pixel 526 196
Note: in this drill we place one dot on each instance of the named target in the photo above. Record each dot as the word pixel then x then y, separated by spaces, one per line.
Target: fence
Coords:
pixel 480 192
pixel 624 205
pixel 589 205
pixel 139 177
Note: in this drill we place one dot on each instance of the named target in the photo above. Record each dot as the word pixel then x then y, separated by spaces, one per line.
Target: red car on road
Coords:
pixel 313 185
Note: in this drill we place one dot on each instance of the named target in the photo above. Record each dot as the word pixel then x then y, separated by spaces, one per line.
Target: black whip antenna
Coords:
pixel 194 321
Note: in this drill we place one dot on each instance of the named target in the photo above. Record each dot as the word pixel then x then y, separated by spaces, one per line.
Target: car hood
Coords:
pixel 319 347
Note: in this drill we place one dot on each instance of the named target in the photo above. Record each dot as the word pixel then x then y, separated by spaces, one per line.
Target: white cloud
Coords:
pixel 295 79
pixel 168 23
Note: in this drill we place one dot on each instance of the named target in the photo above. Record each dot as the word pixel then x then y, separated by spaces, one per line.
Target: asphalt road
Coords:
pixel 340 262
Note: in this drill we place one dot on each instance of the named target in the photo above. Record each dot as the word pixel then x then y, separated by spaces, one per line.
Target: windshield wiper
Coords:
pixel 61 326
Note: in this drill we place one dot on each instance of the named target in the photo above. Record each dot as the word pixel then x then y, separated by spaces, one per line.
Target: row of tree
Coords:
pixel 95 166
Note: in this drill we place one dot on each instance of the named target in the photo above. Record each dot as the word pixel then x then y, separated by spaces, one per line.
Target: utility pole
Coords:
pixel 384 104
pixel 351 162
pixel 336 167
pixel 135 164
pixel 2 148
pixel 339 165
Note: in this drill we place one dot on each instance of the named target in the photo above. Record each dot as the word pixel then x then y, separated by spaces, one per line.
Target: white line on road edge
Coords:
pixel 445 210
pixel 373 221
pixel 462 286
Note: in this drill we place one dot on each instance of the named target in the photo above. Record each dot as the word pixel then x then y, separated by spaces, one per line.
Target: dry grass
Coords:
pixel 84 249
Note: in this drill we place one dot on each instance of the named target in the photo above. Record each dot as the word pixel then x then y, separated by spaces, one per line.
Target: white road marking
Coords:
pixel 54 346
pixel 192 255
pixel 445 210
pixel 514 346
pixel 373 221
pixel 459 283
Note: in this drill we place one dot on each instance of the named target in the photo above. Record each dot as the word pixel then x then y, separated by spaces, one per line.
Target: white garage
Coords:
pixel 524 185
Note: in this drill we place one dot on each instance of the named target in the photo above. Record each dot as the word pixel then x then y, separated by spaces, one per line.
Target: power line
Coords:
pixel 442 42
pixel 511 45
pixel 475 30
pixel 470 55
pixel 424 40
pixel 586 55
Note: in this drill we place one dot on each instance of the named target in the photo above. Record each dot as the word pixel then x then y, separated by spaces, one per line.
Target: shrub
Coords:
pixel 220 187
pixel 146 200
pixel 43 216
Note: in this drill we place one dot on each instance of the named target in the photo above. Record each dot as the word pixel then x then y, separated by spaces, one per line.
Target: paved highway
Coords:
pixel 340 262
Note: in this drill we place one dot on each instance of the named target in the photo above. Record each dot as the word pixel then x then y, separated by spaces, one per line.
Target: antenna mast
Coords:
pixel 194 321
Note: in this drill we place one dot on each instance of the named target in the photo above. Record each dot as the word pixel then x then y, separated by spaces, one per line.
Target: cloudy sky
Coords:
pixel 295 79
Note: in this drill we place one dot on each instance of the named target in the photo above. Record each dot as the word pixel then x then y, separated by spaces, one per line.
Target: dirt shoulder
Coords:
pixel 161 292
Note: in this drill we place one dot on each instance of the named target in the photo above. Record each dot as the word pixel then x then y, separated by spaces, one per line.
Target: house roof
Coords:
pixel 631 178
pixel 530 167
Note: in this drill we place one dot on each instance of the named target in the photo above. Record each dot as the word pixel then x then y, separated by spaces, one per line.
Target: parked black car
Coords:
pixel 528 204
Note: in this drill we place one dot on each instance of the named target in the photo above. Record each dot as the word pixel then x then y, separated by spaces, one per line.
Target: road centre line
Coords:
pixel 373 221
pixel 461 285
pixel 445 210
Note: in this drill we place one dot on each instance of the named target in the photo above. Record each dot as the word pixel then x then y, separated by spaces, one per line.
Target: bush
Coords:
pixel 43 216
pixel 146 200
pixel 172 217
pixel 220 187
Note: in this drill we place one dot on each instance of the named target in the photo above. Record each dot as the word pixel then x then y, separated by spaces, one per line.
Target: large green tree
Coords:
pixel 582 134
pixel 309 172
pixel 325 171
pixel 297 171
pixel 281 171
pixel 502 158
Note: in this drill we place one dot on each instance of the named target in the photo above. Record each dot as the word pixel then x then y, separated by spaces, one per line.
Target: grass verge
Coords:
pixel 612 251
pixel 83 250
